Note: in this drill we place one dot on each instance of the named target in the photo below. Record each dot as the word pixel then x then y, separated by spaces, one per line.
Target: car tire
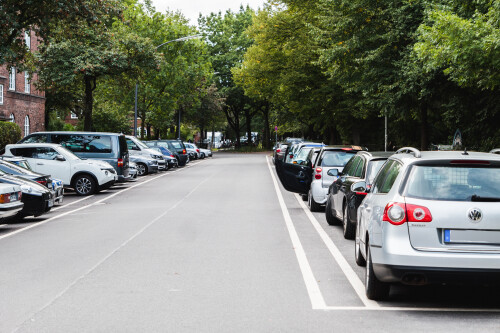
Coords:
pixel 358 256
pixel 349 228
pixel 304 197
pixel 313 206
pixel 84 185
pixel 142 169
pixel 375 289
pixel 330 218
pixel 202 156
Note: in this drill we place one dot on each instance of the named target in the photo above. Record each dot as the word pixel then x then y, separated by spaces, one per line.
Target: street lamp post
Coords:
pixel 137 84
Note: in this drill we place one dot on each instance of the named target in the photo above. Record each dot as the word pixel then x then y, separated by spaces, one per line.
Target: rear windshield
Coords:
pixel 453 183
pixel 336 158
pixel 123 145
pixel 177 144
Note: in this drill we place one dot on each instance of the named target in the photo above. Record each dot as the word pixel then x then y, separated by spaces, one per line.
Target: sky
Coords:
pixel 192 8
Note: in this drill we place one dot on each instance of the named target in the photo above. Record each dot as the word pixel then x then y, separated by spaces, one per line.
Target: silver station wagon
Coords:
pixel 431 217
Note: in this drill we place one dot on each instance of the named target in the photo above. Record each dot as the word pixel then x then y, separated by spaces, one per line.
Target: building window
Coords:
pixel 11 118
pixel 26 126
pixel 27 82
pixel 1 93
pixel 12 79
pixel 74 116
pixel 27 39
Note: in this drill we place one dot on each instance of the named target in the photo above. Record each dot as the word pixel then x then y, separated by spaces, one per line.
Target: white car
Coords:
pixel 10 200
pixel 84 176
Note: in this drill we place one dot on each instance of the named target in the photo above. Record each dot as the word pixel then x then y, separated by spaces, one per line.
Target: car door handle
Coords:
pixel 301 175
pixel 368 209
pixel 39 164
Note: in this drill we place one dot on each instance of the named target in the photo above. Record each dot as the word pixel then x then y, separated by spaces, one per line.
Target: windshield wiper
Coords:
pixel 476 197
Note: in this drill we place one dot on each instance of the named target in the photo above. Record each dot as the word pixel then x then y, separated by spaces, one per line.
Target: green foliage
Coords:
pixel 110 120
pixel 9 133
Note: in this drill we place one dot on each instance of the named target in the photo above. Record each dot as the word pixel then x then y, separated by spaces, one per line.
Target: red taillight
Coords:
pixel 43 182
pixel 172 155
pixel 347 149
pixel 120 162
pixel 318 173
pixel 197 150
pixel 361 193
pixel 418 213
pixel 398 213
pixel 278 150
pixel 5 198
pixel 184 151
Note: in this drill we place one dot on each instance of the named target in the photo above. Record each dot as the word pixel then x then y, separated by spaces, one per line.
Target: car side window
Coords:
pixel 349 165
pixel 36 138
pixel 352 169
pixel 24 152
pixel 379 179
pixel 361 166
pixel 46 153
pixel 131 145
pixel 392 174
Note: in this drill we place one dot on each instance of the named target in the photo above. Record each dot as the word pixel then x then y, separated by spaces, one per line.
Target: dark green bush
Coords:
pixel 9 133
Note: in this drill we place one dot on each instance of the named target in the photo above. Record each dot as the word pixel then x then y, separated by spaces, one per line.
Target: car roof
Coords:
pixel 407 157
pixel 41 144
pixel 77 132
pixel 376 154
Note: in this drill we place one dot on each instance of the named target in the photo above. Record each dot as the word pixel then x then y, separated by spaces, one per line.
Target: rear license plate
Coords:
pixel 13 197
pixel 471 236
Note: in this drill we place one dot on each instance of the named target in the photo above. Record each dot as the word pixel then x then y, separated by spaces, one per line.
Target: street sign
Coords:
pixel 276 128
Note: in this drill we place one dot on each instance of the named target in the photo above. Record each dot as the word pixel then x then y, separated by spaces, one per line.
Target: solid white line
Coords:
pixel 72 203
pixel 37 224
pixel 351 276
pixel 121 246
pixel 317 300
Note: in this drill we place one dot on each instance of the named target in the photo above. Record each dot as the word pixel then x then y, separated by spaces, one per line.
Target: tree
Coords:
pixel 40 16
pixel 81 52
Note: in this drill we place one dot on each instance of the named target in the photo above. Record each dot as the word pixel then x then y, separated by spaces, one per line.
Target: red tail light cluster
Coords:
pixel 197 150
pixel 278 150
pixel 172 155
pixel 318 173
pixel 184 151
pixel 397 213
pixel 43 182
pixel 120 162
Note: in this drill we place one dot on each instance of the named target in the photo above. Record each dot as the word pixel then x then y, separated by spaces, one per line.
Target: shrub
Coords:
pixel 9 133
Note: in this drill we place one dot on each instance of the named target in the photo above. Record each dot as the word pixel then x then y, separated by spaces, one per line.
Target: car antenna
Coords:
pixel 465 152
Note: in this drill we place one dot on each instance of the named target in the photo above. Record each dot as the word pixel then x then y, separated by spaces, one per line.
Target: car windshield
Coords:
pixel 336 158
pixel 176 144
pixel 454 183
pixel 302 154
pixel 140 143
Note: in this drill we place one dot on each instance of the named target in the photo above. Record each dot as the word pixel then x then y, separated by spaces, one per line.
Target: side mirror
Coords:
pixel 60 158
pixel 333 172
pixel 359 187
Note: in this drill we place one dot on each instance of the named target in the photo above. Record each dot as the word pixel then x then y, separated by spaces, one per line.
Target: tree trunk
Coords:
pixel 355 132
pixel 332 134
pixel 424 139
pixel 267 133
pixel 149 130
pixel 88 103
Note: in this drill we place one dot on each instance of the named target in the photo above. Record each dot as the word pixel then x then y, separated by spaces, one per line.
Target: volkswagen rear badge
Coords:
pixel 475 214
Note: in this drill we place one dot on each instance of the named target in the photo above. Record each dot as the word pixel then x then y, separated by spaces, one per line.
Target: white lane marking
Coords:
pixel 72 203
pixel 351 276
pixel 37 224
pixel 317 300
pixel 113 252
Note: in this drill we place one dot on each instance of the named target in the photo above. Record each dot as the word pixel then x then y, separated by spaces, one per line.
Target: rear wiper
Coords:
pixel 476 197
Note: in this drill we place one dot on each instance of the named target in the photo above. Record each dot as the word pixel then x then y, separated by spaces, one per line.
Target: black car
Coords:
pixel 36 197
pixel 348 191
pixel 17 170
pixel 175 146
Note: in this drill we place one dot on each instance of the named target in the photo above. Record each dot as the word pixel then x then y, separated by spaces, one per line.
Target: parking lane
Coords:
pixel 403 298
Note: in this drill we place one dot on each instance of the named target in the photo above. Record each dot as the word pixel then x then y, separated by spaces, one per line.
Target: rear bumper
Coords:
pixel 319 192
pixel 183 159
pixel 10 209
pixel 411 275
pixel 34 205
pixel 123 179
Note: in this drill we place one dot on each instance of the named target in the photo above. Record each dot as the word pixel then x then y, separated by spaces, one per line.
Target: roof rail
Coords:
pixel 404 150
pixel 495 151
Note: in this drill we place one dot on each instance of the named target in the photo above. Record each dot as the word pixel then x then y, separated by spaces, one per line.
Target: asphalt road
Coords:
pixel 217 246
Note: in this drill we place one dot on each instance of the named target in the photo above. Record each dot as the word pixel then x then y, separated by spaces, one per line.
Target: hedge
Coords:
pixel 9 133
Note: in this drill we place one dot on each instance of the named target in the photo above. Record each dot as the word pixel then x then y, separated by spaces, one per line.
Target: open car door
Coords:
pixel 295 177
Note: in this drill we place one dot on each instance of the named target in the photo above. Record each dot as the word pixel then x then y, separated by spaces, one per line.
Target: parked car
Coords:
pixel 144 164
pixel 137 149
pixel 175 146
pixel 84 176
pixel 279 151
pixel 13 169
pixel 205 152
pixel 37 198
pixel 168 156
pixel 293 151
pixel 430 217
pixel 133 171
pixel 10 200
pixel 330 161
pixel 344 196
pixel 109 147
pixel 193 151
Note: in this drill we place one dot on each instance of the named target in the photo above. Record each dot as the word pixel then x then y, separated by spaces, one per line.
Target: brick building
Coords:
pixel 20 101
